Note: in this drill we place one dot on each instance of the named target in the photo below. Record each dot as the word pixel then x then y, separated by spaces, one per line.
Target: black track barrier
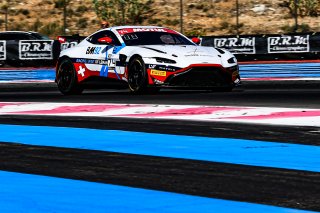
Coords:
pixel 269 47
pixel 246 48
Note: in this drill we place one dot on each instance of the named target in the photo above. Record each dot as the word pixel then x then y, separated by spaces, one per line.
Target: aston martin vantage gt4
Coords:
pixel 145 59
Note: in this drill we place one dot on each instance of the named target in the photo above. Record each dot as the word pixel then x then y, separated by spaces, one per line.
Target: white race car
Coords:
pixel 145 58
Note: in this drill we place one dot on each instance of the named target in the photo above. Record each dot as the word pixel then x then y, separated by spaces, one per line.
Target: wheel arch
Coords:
pixel 142 87
pixel 58 64
pixel 130 60
pixel 133 57
pixel 60 60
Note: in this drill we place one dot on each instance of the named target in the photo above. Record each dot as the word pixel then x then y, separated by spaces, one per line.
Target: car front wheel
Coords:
pixel 137 76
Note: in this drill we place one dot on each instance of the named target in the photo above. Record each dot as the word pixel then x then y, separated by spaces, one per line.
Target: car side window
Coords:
pixel 106 33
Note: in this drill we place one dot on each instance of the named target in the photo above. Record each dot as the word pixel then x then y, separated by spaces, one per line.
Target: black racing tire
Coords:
pixel 137 76
pixel 67 80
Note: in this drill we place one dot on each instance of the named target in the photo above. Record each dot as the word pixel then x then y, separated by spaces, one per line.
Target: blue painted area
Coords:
pixel 104 71
pixel 225 150
pixel 280 70
pixel 294 70
pixel 118 48
pixel 34 193
pixel 115 71
pixel 43 74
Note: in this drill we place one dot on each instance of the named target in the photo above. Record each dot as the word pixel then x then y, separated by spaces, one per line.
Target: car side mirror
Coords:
pixel 105 40
pixel 196 40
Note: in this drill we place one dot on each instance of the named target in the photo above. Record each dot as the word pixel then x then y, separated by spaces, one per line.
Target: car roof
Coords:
pixel 117 28
pixel 132 26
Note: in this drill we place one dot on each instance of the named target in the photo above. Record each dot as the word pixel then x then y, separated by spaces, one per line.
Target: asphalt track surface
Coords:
pixel 254 184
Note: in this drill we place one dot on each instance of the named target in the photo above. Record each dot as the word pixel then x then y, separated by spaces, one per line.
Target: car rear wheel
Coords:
pixel 67 80
pixel 137 76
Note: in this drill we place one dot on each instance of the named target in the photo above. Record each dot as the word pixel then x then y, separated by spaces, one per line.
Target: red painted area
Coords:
pixel 275 115
pixel 83 72
pixel 158 77
pixel 185 112
pixel 76 109
pixel 11 104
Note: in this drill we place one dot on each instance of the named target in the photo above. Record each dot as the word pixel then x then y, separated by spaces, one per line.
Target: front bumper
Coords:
pixel 204 76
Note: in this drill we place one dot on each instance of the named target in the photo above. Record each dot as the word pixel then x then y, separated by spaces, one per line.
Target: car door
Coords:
pixel 103 51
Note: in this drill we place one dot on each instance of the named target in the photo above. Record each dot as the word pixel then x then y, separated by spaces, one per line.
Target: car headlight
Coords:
pixel 165 60
pixel 232 60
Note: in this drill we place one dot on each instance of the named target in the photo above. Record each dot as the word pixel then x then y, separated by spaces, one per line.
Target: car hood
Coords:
pixel 191 54
pixel 182 50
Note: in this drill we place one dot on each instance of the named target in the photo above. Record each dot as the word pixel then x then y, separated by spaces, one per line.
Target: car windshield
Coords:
pixel 154 38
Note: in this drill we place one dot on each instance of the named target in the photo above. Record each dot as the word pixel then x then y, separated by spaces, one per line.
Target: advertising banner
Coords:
pixel 35 49
pixel 303 46
pixel 3 50
pixel 236 45
pixel 288 43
